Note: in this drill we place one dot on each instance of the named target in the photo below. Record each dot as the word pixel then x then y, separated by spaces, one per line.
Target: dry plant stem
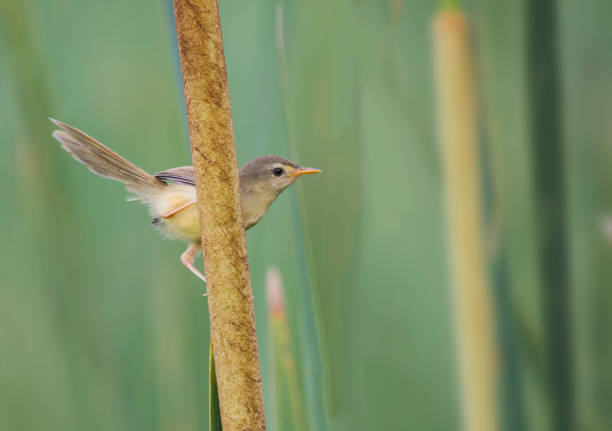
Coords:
pixel 225 255
pixel 471 294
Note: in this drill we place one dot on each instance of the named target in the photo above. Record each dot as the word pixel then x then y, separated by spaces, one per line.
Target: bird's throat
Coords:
pixel 254 205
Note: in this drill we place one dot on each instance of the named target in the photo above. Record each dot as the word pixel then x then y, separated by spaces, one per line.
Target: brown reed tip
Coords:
pixel 274 291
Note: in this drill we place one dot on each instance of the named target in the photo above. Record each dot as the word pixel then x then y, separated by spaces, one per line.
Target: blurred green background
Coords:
pixel 101 328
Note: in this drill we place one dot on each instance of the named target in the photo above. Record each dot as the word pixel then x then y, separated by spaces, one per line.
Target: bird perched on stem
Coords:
pixel 171 194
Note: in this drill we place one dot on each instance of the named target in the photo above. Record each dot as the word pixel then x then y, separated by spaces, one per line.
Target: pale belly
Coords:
pixel 185 223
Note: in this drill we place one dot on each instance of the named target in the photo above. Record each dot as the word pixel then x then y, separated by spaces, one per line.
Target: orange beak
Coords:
pixel 303 171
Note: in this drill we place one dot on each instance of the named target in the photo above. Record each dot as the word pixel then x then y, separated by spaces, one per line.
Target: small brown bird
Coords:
pixel 171 194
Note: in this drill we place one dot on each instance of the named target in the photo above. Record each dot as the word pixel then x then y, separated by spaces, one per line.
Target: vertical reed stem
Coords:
pixel 230 297
pixel 471 295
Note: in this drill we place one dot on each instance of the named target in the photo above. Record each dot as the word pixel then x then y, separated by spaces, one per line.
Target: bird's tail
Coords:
pixel 104 161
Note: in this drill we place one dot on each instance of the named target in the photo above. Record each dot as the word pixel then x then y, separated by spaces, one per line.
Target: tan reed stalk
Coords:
pixel 459 150
pixel 230 299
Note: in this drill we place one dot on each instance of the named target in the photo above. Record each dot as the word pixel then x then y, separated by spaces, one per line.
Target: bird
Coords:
pixel 171 194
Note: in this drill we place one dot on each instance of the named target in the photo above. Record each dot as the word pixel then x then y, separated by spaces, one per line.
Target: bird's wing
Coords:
pixel 181 175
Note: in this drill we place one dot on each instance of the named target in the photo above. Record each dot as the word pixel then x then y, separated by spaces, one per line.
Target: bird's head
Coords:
pixel 271 174
pixel 261 181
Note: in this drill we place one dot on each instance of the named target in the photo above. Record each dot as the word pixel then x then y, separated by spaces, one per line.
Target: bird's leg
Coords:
pixel 170 213
pixel 187 259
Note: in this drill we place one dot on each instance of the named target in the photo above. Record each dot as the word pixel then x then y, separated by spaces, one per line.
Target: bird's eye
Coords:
pixel 277 172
